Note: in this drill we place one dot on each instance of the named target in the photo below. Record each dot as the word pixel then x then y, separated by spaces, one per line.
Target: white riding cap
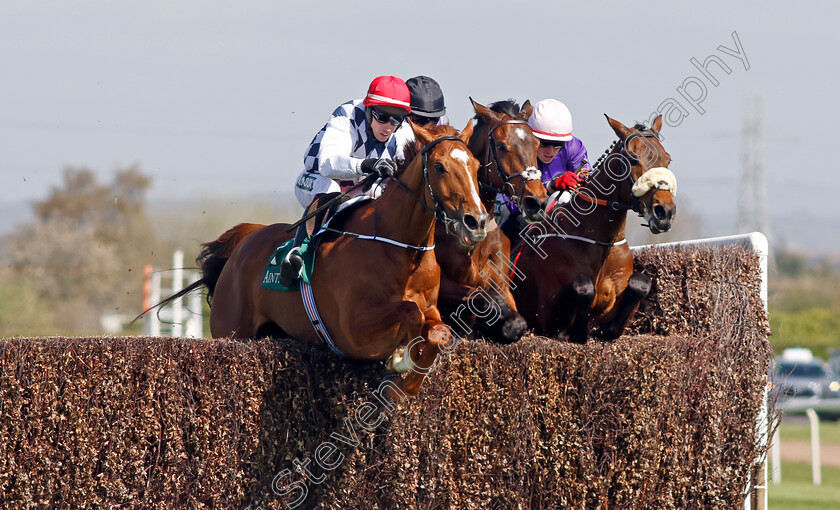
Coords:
pixel 551 120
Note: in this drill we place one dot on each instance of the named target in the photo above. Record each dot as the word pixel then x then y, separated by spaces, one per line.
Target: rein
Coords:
pixel 616 206
pixel 439 212
pixel 529 174
pixel 584 239
pixel 612 204
pixel 622 148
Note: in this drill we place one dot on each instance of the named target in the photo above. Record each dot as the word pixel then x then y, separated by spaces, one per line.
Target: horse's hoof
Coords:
pixel 398 362
pixel 513 329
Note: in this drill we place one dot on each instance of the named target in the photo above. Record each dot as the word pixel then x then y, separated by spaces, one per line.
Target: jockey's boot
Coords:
pixel 292 264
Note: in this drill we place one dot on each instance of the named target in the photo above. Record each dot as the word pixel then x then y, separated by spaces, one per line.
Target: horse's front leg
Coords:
pixel 422 351
pixel 377 328
pixel 567 310
pixel 627 302
pixel 452 292
pixel 502 322
pixel 581 294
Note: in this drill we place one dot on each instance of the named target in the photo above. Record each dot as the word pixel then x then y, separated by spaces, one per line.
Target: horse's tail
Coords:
pixel 215 254
pixel 211 260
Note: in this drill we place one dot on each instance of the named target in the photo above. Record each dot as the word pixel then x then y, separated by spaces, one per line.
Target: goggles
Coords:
pixel 421 120
pixel 386 118
pixel 554 144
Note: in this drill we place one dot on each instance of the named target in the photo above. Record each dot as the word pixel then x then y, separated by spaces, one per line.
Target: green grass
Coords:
pixel 801 431
pixel 797 491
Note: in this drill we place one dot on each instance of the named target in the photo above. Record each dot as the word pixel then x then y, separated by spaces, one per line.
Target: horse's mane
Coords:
pixel 507 106
pixel 640 126
pixel 412 149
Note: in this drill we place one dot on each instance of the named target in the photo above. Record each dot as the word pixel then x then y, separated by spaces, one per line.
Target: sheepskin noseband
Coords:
pixel 658 177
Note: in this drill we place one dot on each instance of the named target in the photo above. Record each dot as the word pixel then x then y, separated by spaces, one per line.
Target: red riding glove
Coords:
pixel 568 180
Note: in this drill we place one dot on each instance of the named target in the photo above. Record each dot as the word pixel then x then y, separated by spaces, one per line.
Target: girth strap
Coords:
pixel 315 318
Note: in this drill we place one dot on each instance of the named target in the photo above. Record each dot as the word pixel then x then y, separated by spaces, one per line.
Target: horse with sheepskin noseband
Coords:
pixel 656 179
pixel 576 263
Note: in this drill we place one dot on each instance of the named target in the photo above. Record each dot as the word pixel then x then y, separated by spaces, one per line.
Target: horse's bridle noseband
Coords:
pixel 529 174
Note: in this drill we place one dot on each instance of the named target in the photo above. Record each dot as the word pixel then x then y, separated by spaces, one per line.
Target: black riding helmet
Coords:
pixel 426 97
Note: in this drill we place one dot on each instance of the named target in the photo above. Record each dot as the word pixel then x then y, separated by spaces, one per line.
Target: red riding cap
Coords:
pixel 388 91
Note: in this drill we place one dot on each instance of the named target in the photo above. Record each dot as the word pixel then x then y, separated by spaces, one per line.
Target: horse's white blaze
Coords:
pixel 521 133
pixel 462 156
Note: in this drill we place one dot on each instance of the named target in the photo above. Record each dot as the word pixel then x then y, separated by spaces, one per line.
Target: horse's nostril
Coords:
pixel 659 212
pixel 531 205
pixel 470 222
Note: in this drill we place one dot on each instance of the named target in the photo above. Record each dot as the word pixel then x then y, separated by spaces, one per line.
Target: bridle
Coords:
pixel 438 210
pixel 638 204
pixel 529 174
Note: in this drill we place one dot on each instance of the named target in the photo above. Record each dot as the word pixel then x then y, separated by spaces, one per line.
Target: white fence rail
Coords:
pixel 811 408
pixel 181 318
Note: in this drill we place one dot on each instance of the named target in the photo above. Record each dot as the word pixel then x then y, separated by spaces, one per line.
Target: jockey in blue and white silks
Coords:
pixel 362 137
pixel 333 160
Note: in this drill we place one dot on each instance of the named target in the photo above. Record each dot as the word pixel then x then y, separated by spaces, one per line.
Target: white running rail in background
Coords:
pixel 179 319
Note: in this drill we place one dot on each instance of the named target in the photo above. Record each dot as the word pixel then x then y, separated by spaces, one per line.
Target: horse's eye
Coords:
pixel 439 168
pixel 501 147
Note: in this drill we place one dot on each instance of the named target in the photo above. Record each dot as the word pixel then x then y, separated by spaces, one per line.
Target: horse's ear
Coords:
pixel 526 110
pixel 467 132
pixel 620 129
pixel 656 127
pixel 421 134
pixel 486 114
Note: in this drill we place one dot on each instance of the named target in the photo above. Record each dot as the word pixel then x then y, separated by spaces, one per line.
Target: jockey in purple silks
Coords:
pixel 560 158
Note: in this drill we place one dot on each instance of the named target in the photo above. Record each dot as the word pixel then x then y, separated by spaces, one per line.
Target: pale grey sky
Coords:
pixel 221 98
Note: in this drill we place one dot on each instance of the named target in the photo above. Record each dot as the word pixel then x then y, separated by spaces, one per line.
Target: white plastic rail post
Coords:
pixel 177 285
pixel 816 467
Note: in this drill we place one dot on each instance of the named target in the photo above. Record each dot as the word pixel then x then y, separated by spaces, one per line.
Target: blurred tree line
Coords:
pixel 85 252
pixel 804 303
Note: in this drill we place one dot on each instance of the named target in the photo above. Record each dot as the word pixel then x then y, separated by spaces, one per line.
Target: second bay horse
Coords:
pixel 475 289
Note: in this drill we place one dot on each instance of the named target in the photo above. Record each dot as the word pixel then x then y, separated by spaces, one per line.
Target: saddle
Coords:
pixel 339 209
pixel 315 223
